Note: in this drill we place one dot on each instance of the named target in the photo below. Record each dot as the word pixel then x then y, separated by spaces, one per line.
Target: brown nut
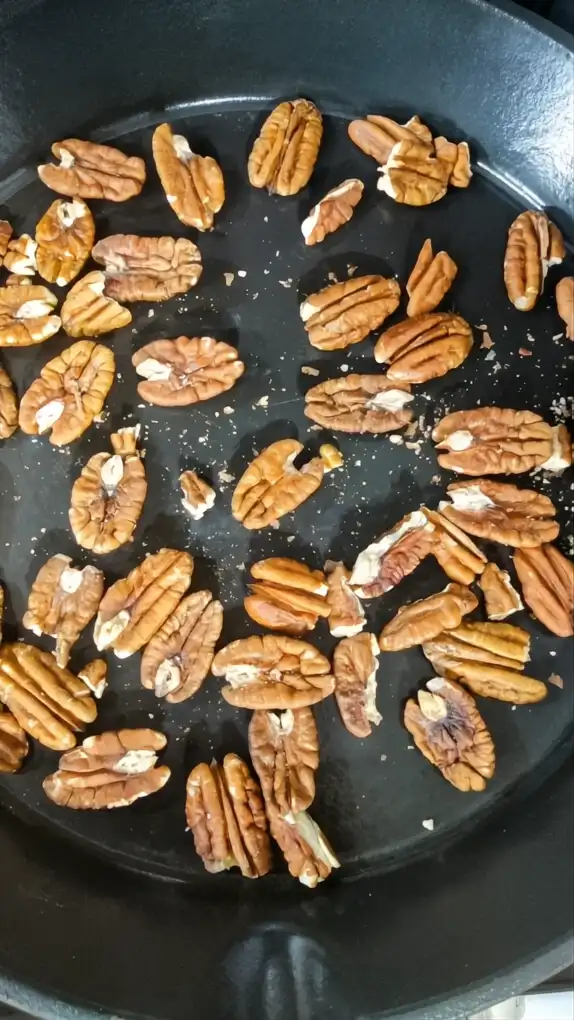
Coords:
pixel 347 616
pixel 94 674
pixel 198 496
pixel 284 749
pixel 5 235
pixel 193 184
pixel 333 211
pixel 186 371
pixel 289 596
pixel 355 664
pixel 565 304
pixel 273 672
pixel 534 244
pixel 2 607
pixel 224 810
pixel 359 404
pixel 493 440
pixel 271 486
pixel 309 856
pixel 110 770
pixel 87 170
pixel 431 278
pixel 547 580
pixel 64 237
pixel 147 268
pixel 109 494
pixel 135 607
pixel 20 257
pixel 331 456
pixel 8 406
pixel 179 656
pixel 376 136
pixel 284 155
pixel 421 621
pixel 48 702
pixel 456 157
pixel 385 562
pixel 69 392
pixel 25 316
pixel 424 347
pixel 501 512
pixel 13 743
pixel 87 311
pixel 449 731
pixel 500 597
pixel 458 556
pixel 62 601
pixel 413 174
pixel 345 313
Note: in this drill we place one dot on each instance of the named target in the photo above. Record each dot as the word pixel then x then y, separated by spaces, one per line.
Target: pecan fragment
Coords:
pixel 500 597
pixel 458 556
pixel 87 170
pixel 493 440
pixel 224 810
pixel 289 596
pixel 179 656
pixel 147 268
pixel 193 184
pixel 94 675
pixel 13 743
pixel 355 664
pixel 284 155
pixel 135 607
pixel 62 601
pixel 271 486
pixel 547 580
pixel 424 347
pixel 108 496
pixel 111 770
pixel 423 620
pixel 376 136
pixel 333 211
pixel 284 749
pixel 431 278
pixel 359 404
pixel 87 311
pixel 449 731
pixel 534 244
pixel 69 392
pixel 501 512
pixel 347 616
pixel 64 236
pixel 384 563
pixel 5 235
pixel 48 702
pixel 186 370
pixel 25 316
pixel 273 672
pixel 345 313
pixel 20 257
pixel 565 304
pixel 331 456
pixel 198 496
pixel 2 607
pixel 309 856
pixel 8 406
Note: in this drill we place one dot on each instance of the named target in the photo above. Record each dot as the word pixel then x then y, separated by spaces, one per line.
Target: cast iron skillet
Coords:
pixel 416 923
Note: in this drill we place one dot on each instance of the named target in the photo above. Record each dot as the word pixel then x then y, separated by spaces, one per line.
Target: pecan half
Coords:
pixel 198 496
pixel 271 486
pixel 376 136
pixel 69 392
pixel 87 170
pixel 179 656
pixel 309 856
pixel 284 155
pixel 547 580
pixel 25 316
pixel 108 496
pixel 355 664
pixel 493 440
pixel 186 371
pixel 345 313
pixel 289 596
pixel 48 702
pixel 273 672
pixel 534 244
pixel 501 512
pixel 284 749
pixel 333 211
pixel 94 675
pixel 13 743
pixel 87 311
pixel 359 404
pixel 565 304
pixel 458 556
pixel 224 810
pixel 413 174
pixel 500 597
pixel 421 621
pixel 384 563
pixel 431 278
pixel 111 770
pixel 193 184
pixel 62 601
pixel 8 406
pixel 147 268
pixel 20 257
pixel 347 616
pixel 64 237
pixel 5 235
pixel 135 607
pixel 424 347
pixel 449 731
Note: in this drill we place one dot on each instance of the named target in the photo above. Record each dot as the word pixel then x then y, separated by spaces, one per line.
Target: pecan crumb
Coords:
pixel 487 341
pixel 229 278
pixel 556 680
pixel 524 352
pixel 309 370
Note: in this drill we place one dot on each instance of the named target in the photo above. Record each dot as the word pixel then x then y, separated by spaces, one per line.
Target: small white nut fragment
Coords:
pixel 332 457
pixel 47 415
pixel 198 496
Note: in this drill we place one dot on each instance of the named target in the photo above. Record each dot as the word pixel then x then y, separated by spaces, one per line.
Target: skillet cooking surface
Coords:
pixel 372 795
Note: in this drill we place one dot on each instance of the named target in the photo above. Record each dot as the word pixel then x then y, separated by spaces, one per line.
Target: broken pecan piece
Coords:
pixel 110 770
pixel 284 749
pixel 500 597
pixel 193 184
pixel 13 743
pixel 69 392
pixel 64 236
pixel 224 810
pixel 458 556
pixel 5 235
pixel 198 496
pixel 384 563
pixel 8 406
pixel 355 664
pixel 25 316
pixel 20 257
pixel 284 155
pixel 179 656
pixel 423 620
pixel 493 440
pixel 534 244
pixel 309 856
pixel 62 601
pixel 333 211
pixel 449 731
pixel 376 135
pixel 147 268
pixel 501 512
pixel 136 606
pixel 273 672
pixel 94 675
pixel 347 616
pixel 547 580
pixel 565 304
pixel 108 496
pixel 271 486
pixel 431 278
pixel 87 311
pixel 345 313
pixel 87 170
pixel 48 702
pixel 186 371
pixel 289 596
pixel 424 347
pixel 359 404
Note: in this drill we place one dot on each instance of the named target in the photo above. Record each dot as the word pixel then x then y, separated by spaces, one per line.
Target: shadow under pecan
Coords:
pixel 272 486
pixel 355 664
pixel 62 602
pixel 179 656
pixel 284 749
pixel 501 512
pixel 547 580
pixel 13 743
pixel 345 313
pixel 493 440
pixel 186 371
pixel 287 596
pixel 193 184
pixel 273 672
pixel 424 347
pixel 285 152
pixel 359 404
pixel 64 236
pixel 332 211
pixel 147 268
pixel 8 406
pixel 25 315
pixel 500 597
pixel 534 244
pixel 393 556
pixel 423 620
pixel 88 170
